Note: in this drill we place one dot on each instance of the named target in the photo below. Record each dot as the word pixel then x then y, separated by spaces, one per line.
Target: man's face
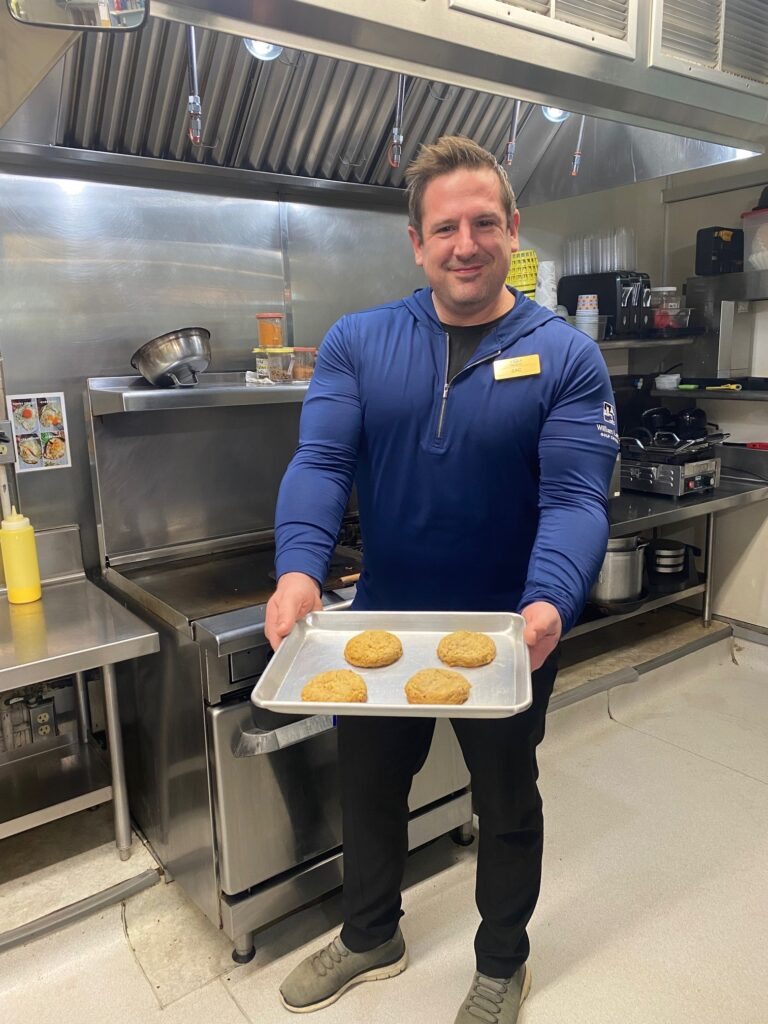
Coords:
pixel 466 244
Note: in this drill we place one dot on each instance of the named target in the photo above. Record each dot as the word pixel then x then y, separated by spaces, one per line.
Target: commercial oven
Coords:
pixel 240 805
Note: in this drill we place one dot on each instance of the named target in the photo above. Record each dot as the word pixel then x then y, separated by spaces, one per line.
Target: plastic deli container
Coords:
pixel 755 224
pixel 282 364
pixel 592 324
pixel 303 363
pixel 668 312
pixel 666 297
pixel 270 329
pixel 273 365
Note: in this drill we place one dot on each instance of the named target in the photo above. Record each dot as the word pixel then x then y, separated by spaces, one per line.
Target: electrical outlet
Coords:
pixel 7 451
pixel 42 719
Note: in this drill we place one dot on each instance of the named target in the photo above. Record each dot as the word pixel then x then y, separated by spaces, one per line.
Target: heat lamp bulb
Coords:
pixel 555 114
pixel 261 50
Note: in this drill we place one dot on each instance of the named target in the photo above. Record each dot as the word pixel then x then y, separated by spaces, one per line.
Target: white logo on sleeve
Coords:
pixel 609 413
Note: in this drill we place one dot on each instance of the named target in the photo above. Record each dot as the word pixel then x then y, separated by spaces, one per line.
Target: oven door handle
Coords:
pixel 266 741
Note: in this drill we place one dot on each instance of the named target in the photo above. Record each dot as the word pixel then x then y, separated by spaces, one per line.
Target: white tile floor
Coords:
pixel 653 909
pixel 57 864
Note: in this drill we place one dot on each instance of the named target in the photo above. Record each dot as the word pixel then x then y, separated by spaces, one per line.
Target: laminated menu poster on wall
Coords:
pixel 40 432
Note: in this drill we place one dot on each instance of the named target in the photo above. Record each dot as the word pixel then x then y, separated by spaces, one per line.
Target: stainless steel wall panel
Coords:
pixel 175 477
pixel 343 260
pixel 89 272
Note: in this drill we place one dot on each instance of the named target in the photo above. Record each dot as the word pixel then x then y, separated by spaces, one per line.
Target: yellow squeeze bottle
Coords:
pixel 22 574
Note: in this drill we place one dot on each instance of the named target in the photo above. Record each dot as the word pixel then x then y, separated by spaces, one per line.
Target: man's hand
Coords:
pixel 296 596
pixel 542 631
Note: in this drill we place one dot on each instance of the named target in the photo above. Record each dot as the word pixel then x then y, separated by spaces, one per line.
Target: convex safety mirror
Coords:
pixel 93 15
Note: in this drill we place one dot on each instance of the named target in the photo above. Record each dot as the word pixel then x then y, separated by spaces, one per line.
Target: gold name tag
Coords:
pixel 523 366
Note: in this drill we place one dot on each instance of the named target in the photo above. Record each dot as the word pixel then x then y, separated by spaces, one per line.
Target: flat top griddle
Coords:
pixel 227 581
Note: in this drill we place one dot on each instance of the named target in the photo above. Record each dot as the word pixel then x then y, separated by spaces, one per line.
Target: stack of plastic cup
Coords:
pixel 587 315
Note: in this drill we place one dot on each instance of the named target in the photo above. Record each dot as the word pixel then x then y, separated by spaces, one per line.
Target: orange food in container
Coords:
pixel 270 329
pixel 303 363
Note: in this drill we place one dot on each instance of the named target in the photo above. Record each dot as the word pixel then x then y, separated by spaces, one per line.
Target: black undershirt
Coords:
pixel 464 341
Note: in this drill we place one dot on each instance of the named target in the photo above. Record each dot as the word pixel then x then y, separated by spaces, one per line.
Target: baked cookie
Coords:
pixel 437 686
pixel 339 685
pixel 374 648
pixel 465 649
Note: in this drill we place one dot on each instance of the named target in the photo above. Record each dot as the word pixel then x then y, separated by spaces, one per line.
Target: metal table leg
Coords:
pixel 709 548
pixel 119 788
pixel 81 703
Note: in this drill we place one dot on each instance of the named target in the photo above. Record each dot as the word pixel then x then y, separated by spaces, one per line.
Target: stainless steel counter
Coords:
pixel 633 512
pixel 75 626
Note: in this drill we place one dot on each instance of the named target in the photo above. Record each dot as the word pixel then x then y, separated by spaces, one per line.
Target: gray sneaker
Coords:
pixel 326 975
pixel 495 1000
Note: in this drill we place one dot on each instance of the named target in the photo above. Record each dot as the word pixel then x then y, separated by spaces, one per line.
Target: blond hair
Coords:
pixel 451 153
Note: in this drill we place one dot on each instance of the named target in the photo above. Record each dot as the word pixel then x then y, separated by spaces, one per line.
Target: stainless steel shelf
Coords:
pixel 626 343
pixel 648 606
pixel 49 785
pixel 633 512
pixel 701 393
pixel 134 394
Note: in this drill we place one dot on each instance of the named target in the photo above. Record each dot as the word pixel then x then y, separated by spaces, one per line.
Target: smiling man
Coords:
pixel 475 425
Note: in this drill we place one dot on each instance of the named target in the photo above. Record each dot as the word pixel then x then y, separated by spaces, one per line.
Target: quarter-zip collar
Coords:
pixel 448 383
pixel 525 317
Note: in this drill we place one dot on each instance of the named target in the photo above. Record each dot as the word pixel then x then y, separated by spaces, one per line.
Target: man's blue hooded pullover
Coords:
pixel 483 492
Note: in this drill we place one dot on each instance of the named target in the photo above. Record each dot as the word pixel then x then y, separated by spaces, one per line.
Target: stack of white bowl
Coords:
pixel 587 315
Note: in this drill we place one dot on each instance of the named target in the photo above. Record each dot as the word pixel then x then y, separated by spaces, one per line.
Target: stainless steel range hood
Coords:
pixel 497 46
pixel 320 116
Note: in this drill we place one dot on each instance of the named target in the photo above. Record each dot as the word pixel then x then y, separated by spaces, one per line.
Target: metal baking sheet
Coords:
pixel 317 644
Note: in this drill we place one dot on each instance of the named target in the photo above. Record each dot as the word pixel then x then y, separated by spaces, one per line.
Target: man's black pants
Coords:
pixel 378 759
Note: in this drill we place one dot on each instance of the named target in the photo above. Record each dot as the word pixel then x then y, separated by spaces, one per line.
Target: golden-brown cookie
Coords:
pixel 339 685
pixel 437 686
pixel 465 649
pixel 374 648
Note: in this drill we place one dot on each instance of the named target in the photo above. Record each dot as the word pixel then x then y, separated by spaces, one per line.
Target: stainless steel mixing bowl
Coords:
pixel 174 359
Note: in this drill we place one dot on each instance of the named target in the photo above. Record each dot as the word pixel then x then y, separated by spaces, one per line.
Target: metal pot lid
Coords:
pixel 668 547
pixel 626 543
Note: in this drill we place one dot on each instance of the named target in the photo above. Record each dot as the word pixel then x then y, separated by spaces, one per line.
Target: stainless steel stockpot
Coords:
pixel 174 359
pixel 621 574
